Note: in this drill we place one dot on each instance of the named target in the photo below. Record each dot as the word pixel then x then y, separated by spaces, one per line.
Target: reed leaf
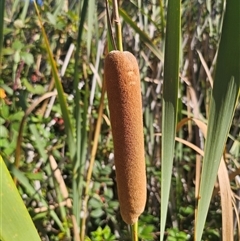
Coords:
pixel 15 221
pixel 170 92
pixel 91 21
pixel 80 120
pixel 62 99
pixel 222 107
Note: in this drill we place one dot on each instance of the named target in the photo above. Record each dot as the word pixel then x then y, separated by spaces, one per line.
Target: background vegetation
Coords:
pixel 38 138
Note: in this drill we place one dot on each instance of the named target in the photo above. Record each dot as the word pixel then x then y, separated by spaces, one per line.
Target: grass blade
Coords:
pixel 62 99
pixel 77 113
pixel 91 20
pixel 24 11
pixel 170 92
pixel 80 121
pixel 15 221
pixel 222 107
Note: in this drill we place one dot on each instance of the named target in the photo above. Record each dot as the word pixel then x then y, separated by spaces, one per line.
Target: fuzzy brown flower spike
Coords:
pixel 125 105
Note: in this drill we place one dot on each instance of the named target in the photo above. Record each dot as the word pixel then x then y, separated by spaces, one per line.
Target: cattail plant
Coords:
pixel 125 105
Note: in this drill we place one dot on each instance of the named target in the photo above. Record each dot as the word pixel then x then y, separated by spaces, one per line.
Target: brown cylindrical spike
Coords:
pixel 125 105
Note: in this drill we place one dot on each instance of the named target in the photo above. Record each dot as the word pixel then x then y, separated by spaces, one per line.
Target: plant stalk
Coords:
pixel 134 231
pixel 117 26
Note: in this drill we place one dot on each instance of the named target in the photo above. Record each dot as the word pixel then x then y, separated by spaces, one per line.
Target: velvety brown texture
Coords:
pixel 125 105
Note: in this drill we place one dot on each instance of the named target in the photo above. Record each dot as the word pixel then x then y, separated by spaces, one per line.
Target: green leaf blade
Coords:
pixel 170 92
pixel 15 221
pixel 58 85
pixel 222 107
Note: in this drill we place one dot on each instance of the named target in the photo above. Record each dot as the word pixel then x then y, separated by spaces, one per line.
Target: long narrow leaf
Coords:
pixel 148 42
pixel 24 11
pixel 80 124
pixel 91 16
pixel 77 113
pixel 62 99
pixel 170 92
pixel 222 107
pixel 15 221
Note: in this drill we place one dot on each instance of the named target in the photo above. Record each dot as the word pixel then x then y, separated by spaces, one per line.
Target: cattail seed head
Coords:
pixel 125 104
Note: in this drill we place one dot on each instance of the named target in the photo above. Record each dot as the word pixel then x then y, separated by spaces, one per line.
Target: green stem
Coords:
pixel 134 230
pixel 117 26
